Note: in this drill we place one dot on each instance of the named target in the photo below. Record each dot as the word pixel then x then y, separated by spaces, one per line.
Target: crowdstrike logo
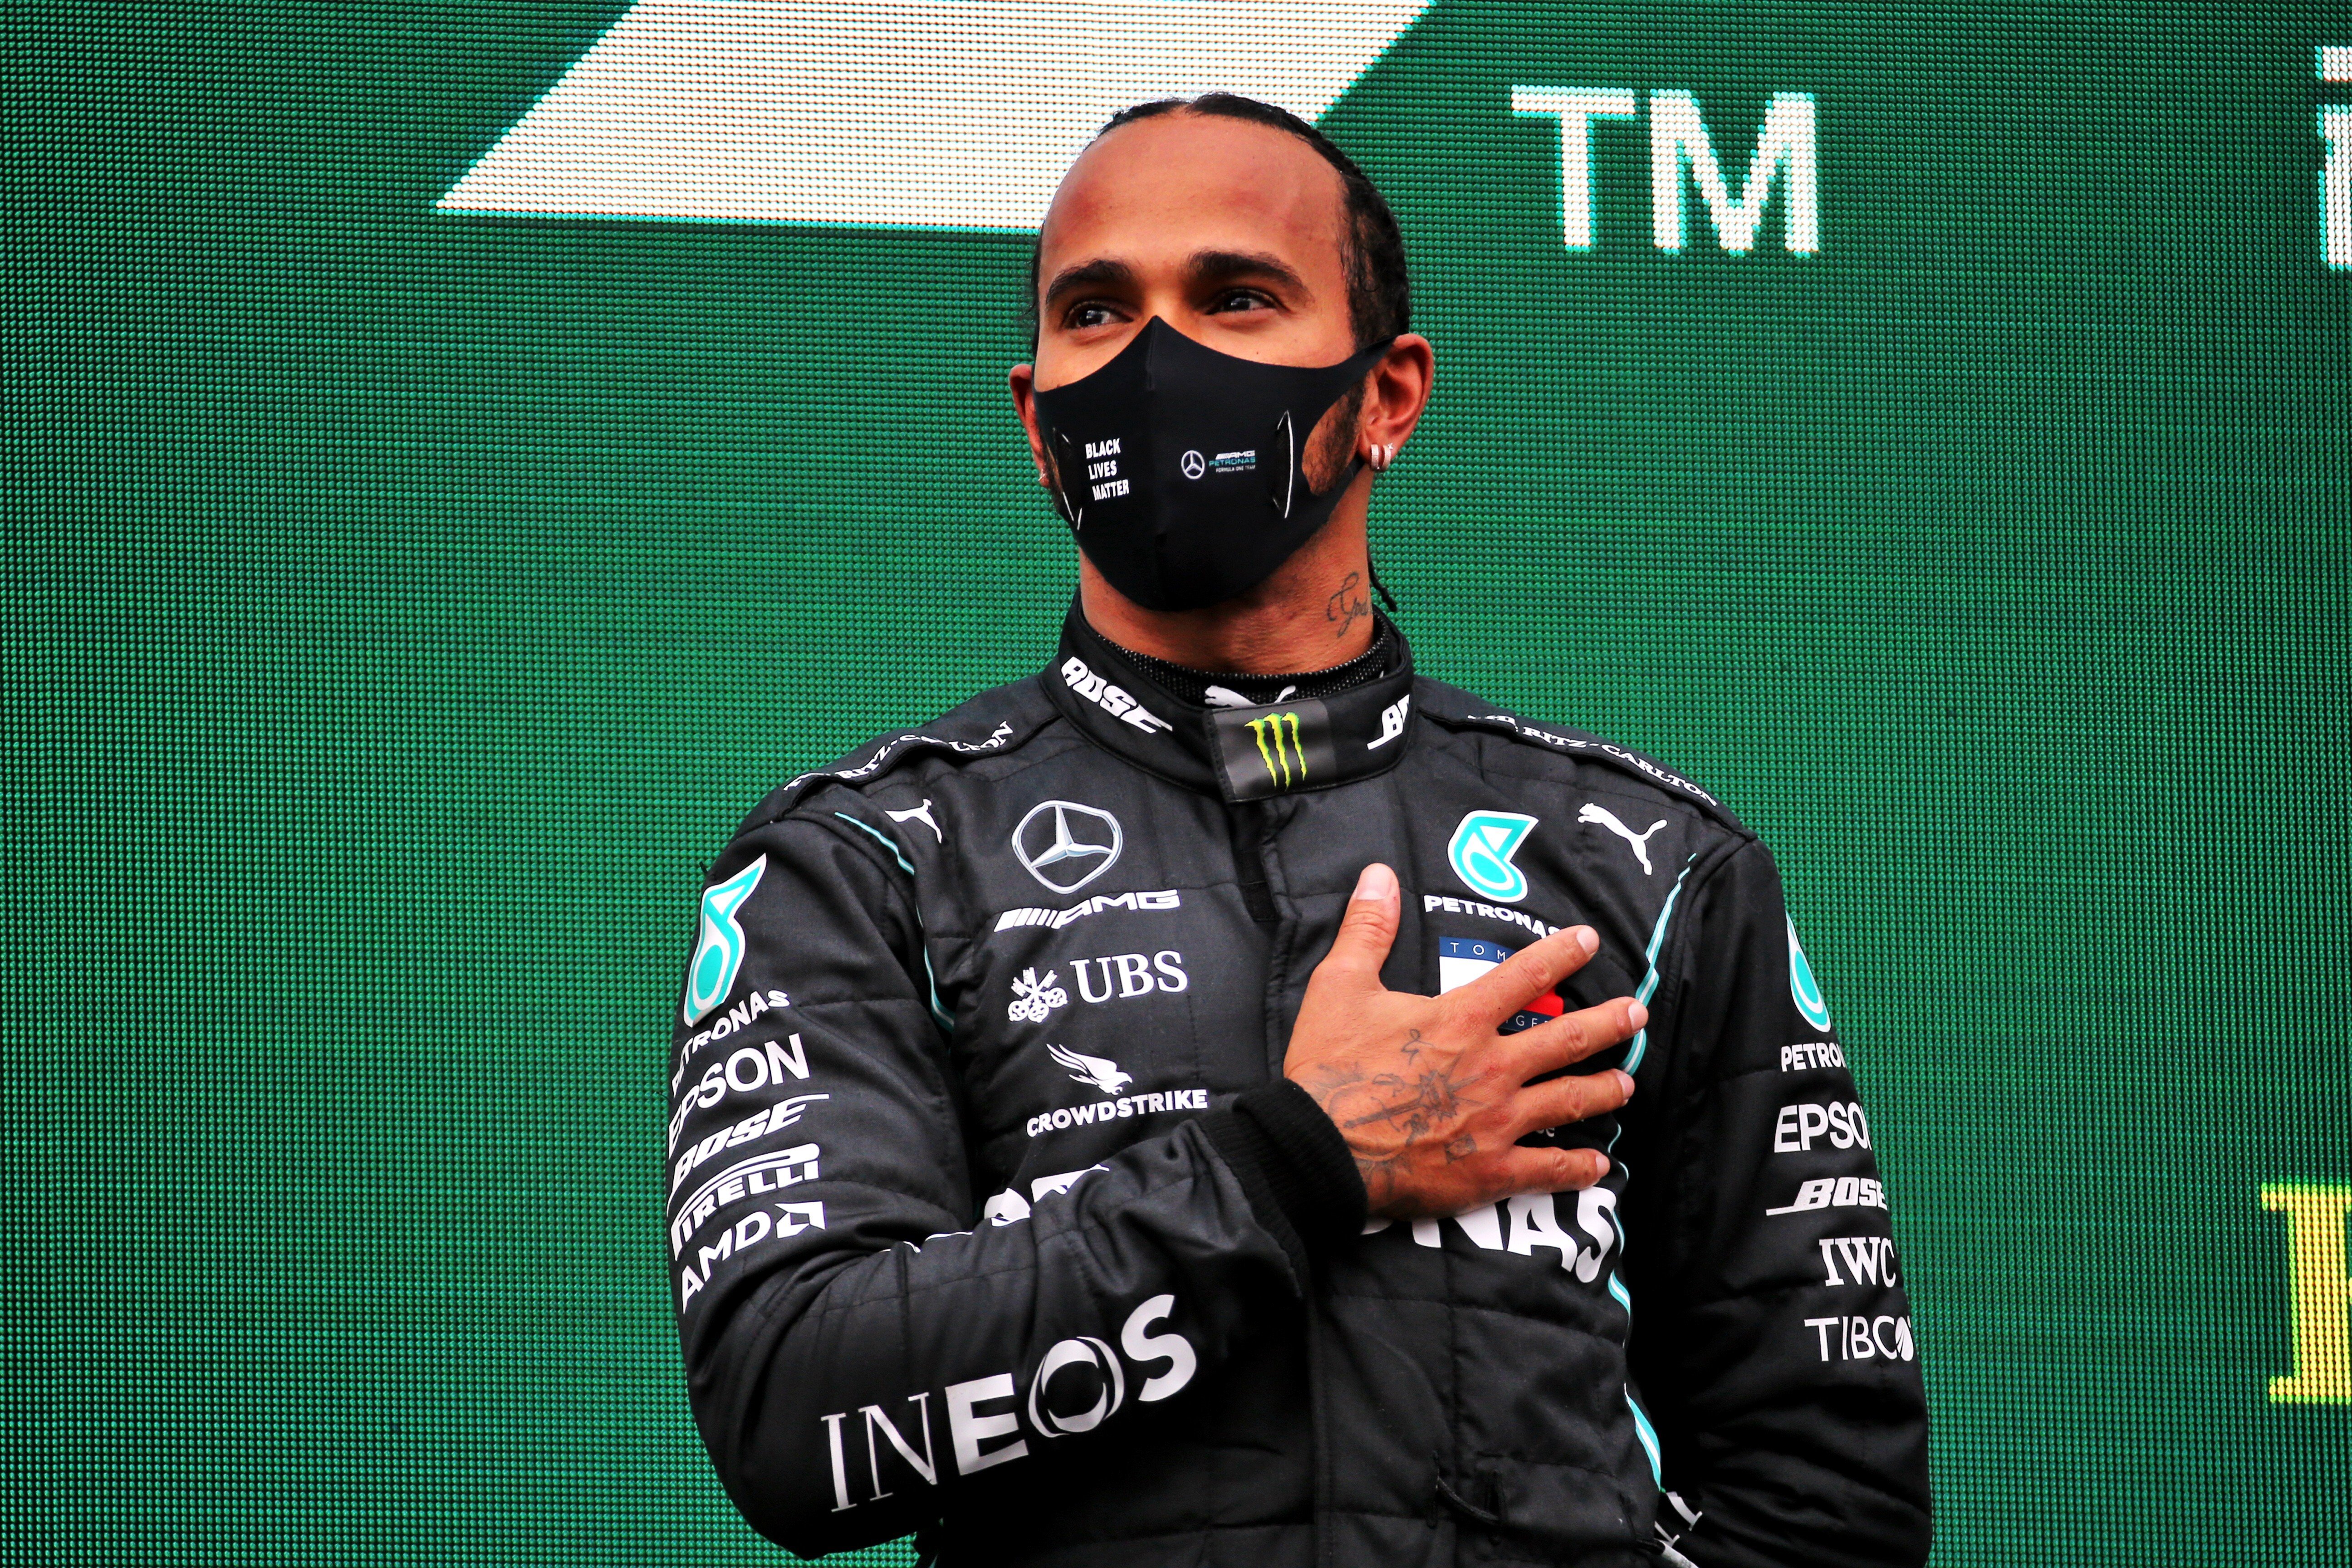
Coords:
pixel 959 113
pixel 1126 1107
pixel 1634 760
pixel 1097 1072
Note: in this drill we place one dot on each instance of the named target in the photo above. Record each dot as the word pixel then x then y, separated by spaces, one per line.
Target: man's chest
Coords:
pixel 1128 953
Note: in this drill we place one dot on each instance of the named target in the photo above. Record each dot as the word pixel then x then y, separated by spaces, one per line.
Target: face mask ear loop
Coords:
pixel 1378 587
pixel 1372 356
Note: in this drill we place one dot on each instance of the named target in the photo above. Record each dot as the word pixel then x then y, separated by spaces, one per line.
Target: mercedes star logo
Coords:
pixel 1192 464
pixel 1065 845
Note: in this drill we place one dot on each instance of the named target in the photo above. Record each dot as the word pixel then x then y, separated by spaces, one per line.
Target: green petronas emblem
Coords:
pixel 720 953
pixel 1284 748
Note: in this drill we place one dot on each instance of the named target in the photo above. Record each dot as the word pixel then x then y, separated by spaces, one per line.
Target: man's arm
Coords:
pixel 1771 1336
pixel 855 1346
pixel 857 1340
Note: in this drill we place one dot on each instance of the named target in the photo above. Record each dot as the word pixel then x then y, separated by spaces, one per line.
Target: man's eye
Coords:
pixel 1240 299
pixel 1078 317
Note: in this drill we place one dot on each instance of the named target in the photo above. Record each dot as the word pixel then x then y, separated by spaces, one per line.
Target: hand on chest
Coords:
pixel 1141 957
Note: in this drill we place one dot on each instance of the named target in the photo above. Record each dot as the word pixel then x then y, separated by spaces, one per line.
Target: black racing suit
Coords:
pixel 991 1217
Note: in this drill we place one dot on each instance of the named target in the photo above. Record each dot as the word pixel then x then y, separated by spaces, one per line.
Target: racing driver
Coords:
pixel 1228 1099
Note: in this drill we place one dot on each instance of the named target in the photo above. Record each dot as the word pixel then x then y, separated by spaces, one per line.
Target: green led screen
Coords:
pixel 466 454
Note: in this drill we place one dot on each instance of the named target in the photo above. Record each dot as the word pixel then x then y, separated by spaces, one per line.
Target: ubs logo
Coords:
pixel 1065 845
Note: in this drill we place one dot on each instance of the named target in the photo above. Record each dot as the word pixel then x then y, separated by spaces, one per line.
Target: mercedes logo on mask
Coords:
pixel 1065 845
pixel 1193 465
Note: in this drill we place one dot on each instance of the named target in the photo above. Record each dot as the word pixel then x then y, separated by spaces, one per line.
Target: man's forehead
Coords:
pixel 1180 184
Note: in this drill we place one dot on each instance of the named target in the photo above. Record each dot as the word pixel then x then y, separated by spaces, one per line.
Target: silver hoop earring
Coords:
pixel 1382 456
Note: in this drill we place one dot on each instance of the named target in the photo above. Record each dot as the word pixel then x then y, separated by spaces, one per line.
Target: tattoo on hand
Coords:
pixel 1397 1110
pixel 1409 1107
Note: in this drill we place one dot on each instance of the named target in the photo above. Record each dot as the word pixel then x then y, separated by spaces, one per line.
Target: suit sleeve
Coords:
pixel 1771 1336
pixel 859 1342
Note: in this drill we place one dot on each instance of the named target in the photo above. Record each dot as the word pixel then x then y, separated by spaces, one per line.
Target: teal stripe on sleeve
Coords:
pixel 946 1021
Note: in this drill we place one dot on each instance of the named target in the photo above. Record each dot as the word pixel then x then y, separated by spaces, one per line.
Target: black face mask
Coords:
pixel 1180 469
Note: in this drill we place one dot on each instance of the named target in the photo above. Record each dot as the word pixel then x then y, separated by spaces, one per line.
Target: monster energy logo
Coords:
pixel 1278 748
pixel 1272 751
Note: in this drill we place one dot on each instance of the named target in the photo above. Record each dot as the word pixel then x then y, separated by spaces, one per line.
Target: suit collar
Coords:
pixel 1239 754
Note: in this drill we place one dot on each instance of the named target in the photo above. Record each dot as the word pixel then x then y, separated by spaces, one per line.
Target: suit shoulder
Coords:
pixel 1574 751
pixel 995 723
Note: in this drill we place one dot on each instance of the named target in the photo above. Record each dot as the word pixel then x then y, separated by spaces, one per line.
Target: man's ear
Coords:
pixel 1399 388
pixel 1022 379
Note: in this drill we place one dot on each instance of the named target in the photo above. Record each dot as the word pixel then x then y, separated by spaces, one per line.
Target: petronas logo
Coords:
pixel 720 953
pixel 1810 1005
pixel 1278 746
pixel 1481 853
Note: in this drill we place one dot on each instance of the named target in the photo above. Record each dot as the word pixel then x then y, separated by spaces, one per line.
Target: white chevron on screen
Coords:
pixel 962 114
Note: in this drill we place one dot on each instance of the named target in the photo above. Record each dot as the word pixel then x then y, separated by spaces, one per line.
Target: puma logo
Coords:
pixel 921 814
pixel 1226 696
pixel 1602 817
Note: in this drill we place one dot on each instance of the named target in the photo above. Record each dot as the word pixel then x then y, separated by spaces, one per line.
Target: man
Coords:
pixel 1228 1099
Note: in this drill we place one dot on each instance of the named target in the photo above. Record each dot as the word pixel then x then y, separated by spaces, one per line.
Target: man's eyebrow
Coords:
pixel 1099 273
pixel 1204 265
pixel 1214 264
